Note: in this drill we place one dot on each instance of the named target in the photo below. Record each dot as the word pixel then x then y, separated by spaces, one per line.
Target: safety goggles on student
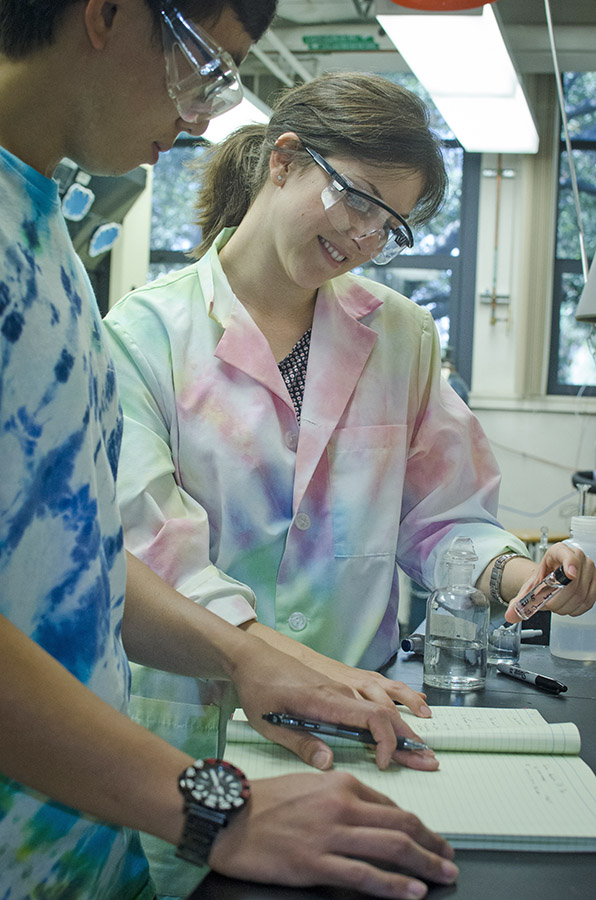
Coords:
pixel 202 79
pixel 382 231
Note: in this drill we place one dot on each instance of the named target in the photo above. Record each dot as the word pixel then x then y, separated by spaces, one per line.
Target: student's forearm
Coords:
pixel 62 740
pixel 165 630
pixel 280 641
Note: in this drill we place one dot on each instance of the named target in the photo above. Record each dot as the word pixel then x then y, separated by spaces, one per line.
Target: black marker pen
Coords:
pixel 539 681
pixel 363 735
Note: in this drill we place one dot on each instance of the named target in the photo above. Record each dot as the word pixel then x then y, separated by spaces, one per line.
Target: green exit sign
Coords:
pixel 321 43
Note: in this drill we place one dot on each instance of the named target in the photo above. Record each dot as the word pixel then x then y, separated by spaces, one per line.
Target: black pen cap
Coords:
pixel 414 643
pixel 560 576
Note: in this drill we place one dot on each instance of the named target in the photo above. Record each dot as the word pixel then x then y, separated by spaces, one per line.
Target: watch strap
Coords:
pixel 496 575
pixel 201 827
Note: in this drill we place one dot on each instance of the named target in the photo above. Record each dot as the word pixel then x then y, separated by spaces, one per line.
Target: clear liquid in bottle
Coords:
pixel 457 619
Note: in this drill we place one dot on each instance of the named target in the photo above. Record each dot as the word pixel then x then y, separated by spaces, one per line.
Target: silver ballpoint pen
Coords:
pixel 363 735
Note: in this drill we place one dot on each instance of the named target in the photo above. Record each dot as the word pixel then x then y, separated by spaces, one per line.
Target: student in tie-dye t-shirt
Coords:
pixel 86 79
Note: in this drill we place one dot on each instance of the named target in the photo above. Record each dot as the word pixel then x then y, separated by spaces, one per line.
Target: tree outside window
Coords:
pixel 572 367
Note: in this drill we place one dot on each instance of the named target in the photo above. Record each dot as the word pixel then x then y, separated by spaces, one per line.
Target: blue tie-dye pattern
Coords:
pixel 78 640
pixel 4 297
pixel 27 431
pixel 113 444
pixel 70 292
pixel 47 489
pixel 12 326
pixel 23 271
pixel 64 365
pixel 30 231
pixel 62 571
pixel 112 546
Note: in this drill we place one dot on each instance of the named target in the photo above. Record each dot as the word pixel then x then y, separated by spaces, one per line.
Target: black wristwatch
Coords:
pixel 213 791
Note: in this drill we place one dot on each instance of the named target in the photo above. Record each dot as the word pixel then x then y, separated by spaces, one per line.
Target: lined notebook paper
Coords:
pixel 519 798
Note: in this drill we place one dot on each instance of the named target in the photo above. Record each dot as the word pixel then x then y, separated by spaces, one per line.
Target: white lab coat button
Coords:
pixel 291 440
pixel 297 621
pixel 302 521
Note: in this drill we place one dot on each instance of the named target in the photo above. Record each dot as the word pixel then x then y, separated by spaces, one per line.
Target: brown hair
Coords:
pixel 354 115
pixel 28 25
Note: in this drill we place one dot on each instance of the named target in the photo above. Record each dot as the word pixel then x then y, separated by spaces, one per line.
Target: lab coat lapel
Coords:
pixel 242 343
pixel 340 347
pixel 244 346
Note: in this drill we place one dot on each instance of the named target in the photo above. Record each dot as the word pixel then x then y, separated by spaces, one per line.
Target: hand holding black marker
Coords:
pixel 363 735
pixel 539 681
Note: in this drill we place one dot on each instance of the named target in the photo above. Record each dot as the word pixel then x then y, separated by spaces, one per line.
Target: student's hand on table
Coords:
pixel 268 680
pixel 317 829
pixel 576 597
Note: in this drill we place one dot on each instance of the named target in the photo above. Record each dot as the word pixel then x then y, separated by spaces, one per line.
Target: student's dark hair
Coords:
pixel 364 117
pixel 28 25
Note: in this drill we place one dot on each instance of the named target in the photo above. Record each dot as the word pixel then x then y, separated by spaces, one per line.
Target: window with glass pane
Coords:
pixel 441 235
pixel 427 287
pixel 175 187
pixel 572 368
pixel 438 272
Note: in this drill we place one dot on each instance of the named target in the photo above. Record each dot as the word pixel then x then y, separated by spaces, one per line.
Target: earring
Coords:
pixel 279 177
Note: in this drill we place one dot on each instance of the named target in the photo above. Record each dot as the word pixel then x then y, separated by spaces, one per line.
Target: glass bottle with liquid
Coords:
pixel 457 620
pixel 574 637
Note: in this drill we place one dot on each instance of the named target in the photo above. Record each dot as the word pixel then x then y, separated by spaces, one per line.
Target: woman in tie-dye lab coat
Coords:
pixel 288 437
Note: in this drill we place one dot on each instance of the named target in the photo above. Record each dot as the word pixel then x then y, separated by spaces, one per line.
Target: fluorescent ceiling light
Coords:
pixel 463 63
pixel 250 111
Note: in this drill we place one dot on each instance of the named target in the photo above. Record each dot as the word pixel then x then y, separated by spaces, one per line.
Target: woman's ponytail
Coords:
pixel 227 175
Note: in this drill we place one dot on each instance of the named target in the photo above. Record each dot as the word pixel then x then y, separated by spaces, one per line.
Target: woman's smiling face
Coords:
pixel 311 249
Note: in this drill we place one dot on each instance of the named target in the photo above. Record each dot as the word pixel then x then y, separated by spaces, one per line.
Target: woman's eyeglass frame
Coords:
pixel 397 239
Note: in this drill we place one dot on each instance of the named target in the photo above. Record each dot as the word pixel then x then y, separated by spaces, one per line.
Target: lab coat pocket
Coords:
pixel 366 468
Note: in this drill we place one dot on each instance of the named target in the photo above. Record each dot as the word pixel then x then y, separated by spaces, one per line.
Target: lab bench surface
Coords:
pixel 484 874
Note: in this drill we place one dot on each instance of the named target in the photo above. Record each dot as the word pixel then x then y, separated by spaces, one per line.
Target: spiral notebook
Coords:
pixel 508 780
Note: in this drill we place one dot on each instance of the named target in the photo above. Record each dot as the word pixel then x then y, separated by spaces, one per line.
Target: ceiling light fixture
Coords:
pixel 462 61
pixel 250 111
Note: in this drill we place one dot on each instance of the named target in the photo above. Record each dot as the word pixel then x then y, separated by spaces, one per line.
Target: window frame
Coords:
pixel 563 266
pixel 462 266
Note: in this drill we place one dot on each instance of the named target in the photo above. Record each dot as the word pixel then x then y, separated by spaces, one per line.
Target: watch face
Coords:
pixel 215 784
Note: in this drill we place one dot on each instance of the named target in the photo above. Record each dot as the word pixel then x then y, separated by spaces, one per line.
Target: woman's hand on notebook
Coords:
pixel 268 680
pixel 368 685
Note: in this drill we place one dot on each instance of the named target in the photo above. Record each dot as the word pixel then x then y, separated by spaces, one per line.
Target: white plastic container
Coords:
pixel 575 637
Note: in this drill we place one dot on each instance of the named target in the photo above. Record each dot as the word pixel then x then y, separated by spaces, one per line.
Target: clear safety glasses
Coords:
pixel 202 79
pixel 370 222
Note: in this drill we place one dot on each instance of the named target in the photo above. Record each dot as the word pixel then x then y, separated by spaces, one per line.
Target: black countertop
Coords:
pixel 485 874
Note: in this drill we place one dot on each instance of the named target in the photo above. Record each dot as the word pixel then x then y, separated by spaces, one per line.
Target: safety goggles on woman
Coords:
pixel 203 80
pixel 371 223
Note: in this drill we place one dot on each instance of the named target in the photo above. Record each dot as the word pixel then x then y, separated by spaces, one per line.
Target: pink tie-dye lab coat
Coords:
pixel 233 503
